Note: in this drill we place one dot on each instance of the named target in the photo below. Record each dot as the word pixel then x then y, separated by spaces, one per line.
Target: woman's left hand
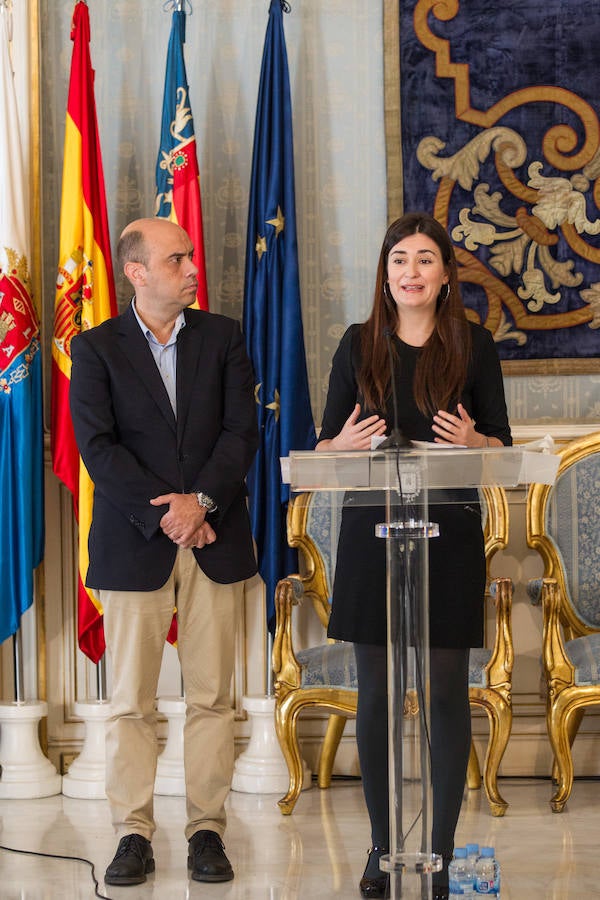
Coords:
pixel 456 429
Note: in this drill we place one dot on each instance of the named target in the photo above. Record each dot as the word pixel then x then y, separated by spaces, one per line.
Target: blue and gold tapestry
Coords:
pixel 501 142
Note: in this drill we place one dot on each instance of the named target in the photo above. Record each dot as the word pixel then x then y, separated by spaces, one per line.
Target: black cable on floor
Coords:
pixel 81 859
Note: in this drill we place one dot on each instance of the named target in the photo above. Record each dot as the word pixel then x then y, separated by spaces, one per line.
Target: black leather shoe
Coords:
pixel 206 857
pixel 372 885
pixel 133 861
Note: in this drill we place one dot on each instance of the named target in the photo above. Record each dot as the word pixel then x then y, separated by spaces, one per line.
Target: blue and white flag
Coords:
pixel 272 313
pixel 21 429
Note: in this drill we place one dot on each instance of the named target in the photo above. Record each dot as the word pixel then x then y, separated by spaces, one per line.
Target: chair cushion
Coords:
pixel 534 591
pixel 329 665
pixel 323 528
pixel 334 665
pixel 584 653
pixel 479 657
pixel 571 519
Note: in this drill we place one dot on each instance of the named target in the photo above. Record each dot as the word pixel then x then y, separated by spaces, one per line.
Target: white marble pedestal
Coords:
pixel 170 775
pixel 86 775
pixel 25 772
pixel 261 768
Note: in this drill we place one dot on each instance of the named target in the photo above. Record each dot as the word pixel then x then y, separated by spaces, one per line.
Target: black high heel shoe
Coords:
pixel 442 891
pixel 372 885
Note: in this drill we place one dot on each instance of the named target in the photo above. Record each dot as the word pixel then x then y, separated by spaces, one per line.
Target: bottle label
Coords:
pixel 460 888
pixel 486 887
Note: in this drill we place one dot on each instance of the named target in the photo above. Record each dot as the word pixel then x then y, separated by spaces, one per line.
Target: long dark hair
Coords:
pixel 442 365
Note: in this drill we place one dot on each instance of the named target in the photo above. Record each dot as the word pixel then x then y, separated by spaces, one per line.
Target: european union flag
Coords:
pixel 272 314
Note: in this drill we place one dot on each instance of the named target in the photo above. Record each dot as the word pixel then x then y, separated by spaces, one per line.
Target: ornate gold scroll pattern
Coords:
pixel 558 141
pixel 499 294
pixel 518 242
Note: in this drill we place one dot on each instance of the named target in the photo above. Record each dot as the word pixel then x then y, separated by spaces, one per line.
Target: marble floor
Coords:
pixel 318 851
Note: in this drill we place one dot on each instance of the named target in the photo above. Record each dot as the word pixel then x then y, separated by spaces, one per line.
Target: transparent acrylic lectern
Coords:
pixel 407 484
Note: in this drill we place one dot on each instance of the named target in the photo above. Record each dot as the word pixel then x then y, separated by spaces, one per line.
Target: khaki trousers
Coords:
pixel 136 626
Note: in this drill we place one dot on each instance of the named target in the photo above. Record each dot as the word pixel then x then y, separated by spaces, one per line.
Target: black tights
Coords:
pixel 450 741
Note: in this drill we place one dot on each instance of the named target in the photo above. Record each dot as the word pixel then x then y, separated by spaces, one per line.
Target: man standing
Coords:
pixel 164 415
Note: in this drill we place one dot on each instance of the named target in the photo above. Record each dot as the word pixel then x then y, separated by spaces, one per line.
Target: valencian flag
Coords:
pixel 177 173
pixel 272 313
pixel 21 427
pixel 85 296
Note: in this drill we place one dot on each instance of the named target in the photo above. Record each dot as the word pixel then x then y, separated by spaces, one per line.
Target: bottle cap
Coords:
pixel 487 851
pixel 472 848
pixel 460 853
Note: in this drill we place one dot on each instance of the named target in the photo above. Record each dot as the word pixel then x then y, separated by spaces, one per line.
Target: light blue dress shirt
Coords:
pixel 165 355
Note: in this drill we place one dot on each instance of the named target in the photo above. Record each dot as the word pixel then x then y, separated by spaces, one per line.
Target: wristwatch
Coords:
pixel 205 500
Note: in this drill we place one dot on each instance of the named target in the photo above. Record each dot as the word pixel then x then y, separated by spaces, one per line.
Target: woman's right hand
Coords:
pixel 355 435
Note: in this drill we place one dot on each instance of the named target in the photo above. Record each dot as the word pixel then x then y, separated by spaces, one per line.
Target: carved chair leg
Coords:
pixel 333 735
pixel 473 770
pixel 557 720
pixel 573 724
pixel 286 725
pixel 500 719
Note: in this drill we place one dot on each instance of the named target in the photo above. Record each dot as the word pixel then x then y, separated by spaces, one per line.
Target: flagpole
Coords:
pixel 178 199
pixel 269 665
pixel 18 665
pixel 25 772
pixel 101 679
pixel 84 265
pixel 272 294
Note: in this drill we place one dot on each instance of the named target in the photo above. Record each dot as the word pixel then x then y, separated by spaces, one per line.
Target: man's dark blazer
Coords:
pixel 134 449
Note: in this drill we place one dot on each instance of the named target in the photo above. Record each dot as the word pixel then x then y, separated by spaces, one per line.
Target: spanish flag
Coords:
pixel 85 296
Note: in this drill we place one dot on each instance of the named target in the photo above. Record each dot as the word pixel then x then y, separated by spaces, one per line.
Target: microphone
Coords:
pixel 397 439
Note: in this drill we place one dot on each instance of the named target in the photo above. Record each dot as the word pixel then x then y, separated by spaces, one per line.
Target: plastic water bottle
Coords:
pixel 460 875
pixel 487 873
pixel 472 857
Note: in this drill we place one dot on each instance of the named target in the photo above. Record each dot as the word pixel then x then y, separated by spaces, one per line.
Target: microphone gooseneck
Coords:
pixel 397 439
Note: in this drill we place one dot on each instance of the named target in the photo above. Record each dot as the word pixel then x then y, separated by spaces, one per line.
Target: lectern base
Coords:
pixel 410 873
pixel 419 863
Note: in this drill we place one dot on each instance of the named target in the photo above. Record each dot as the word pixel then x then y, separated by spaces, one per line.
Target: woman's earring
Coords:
pixel 447 294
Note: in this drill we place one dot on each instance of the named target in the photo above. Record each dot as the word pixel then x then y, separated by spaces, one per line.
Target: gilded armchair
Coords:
pixel 490 669
pixel 563 525
pixel 324 676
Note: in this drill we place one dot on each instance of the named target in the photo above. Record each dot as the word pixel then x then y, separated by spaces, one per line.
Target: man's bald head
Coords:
pixel 135 243
pixel 132 247
pixel 157 259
